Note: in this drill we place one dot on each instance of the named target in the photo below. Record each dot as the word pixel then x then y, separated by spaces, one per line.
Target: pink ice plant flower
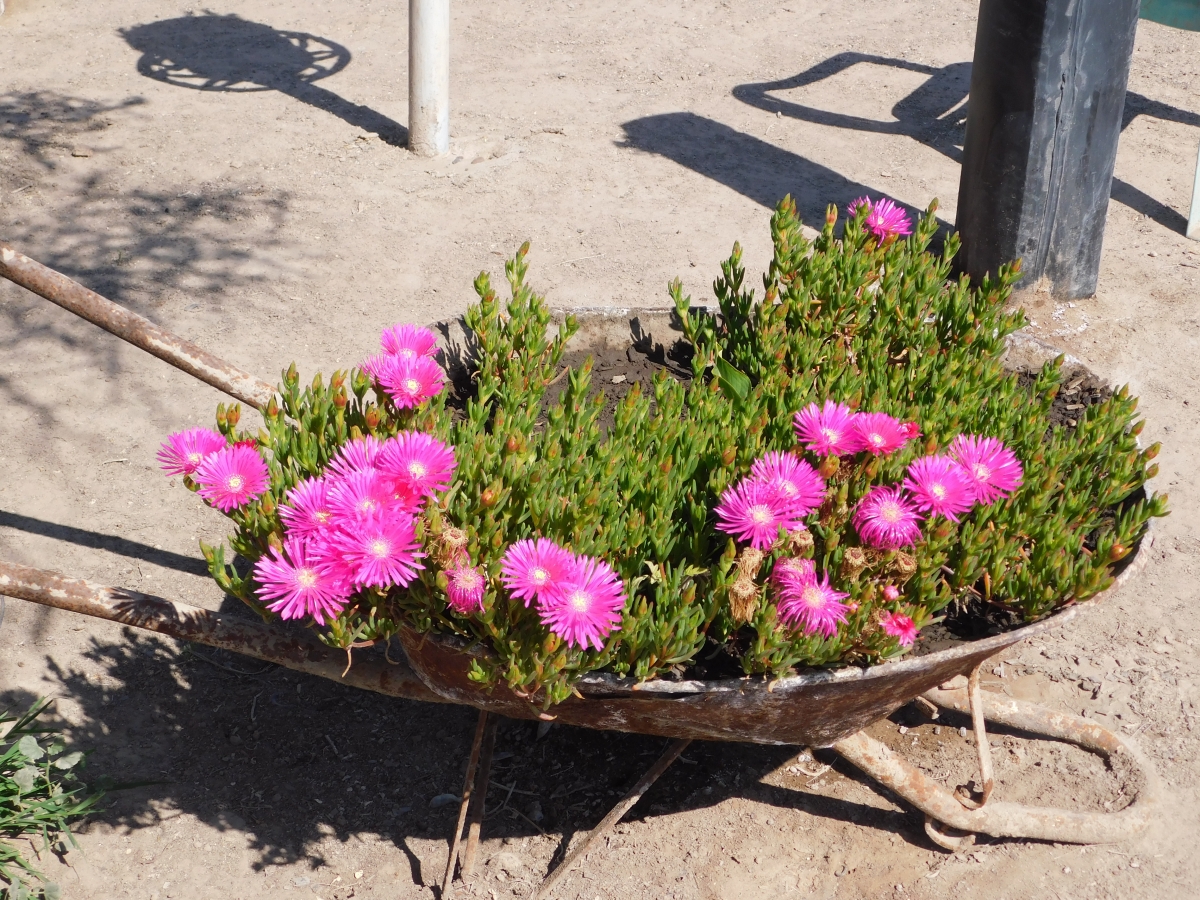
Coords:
pixel 530 567
pixel 360 495
pixel 891 593
pixel 801 484
pixel 879 433
pixel 184 451
pixel 993 471
pixel 378 551
pixel 586 606
pixel 408 340
pixel 297 582
pixel 464 587
pixel 308 512
pixel 418 463
pixel 812 605
pixel 939 486
pixel 791 570
pixel 887 519
pixel 232 477
pixel 911 430
pixel 884 218
pixel 827 430
pixel 410 381
pixel 899 626
pixel 754 511
pixel 359 455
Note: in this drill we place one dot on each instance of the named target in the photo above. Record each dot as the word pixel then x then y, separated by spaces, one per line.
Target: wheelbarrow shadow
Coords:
pixel 249 748
pixel 227 53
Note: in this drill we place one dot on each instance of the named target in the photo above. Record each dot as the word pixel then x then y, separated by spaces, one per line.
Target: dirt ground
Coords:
pixel 631 143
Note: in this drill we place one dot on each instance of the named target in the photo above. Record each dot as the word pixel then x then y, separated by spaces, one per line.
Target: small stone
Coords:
pixel 904 729
pixel 358 874
pixel 618 379
pixel 82 152
pixel 443 800
pixel 1135 864
pixel 1066 870
pixel 962 732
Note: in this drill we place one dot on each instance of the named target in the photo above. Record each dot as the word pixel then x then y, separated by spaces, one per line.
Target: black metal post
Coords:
pixel 1047 92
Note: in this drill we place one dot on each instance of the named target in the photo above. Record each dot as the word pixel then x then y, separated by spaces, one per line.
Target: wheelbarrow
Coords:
pixel 825 709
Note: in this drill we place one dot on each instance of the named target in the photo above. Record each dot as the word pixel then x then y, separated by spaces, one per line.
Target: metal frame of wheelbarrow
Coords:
pixel 965 811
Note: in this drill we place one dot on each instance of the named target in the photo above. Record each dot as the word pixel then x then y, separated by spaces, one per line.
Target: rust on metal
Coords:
pixel 998 818
pixel 481 727
pixel 292 648
pixel 129 326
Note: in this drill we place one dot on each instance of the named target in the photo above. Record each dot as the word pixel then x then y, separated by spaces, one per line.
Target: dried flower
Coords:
pixel 749 560
pixel 993 471
pixel 297 582
pixel 464 589
pixel 742 596
pixel 878 433
pixel 585 607
pixel 826 430
pixel 798 481
pixel 529 567
pixel 812 605
pixel 184 451
pixel 886 518
pixel 408 340
pixel 938 486
pixel 451 544
pixel 884 218
pixel 899 626
pixel 232 477
pixel 754 511
pixel 307 511
pixel 853 563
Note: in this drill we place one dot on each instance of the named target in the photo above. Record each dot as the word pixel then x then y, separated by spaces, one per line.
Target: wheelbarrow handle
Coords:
pixel 129 326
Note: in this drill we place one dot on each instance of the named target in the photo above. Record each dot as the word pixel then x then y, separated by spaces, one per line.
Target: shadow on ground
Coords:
pixel 213 52
pixel 289 759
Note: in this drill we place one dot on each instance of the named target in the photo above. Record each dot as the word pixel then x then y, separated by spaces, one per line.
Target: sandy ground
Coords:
pixel 631 143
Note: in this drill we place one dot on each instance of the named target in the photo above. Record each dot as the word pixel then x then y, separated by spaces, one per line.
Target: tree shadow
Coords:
pixel 151 250
pixel 227 53
pixel 291 761
pixel 935 114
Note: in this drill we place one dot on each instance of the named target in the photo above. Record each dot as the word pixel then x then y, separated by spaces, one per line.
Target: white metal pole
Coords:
pixel 1193 226
pixel 428 77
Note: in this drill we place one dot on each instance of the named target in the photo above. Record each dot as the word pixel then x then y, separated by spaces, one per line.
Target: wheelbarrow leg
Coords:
pixel 479 798
pixel 481 726
pixel 1001 819
pixel 614 816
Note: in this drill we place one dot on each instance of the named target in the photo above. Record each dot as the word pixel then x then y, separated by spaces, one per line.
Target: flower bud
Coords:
pixel 1152 450
pixel 488 497
pixel 233 414
pixel 729 456
pixel 829 466
pixel 372 418
pixel 339 399
pixel 1118 551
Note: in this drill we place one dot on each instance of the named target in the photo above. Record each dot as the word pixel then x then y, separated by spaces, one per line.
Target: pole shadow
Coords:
pixel 230 54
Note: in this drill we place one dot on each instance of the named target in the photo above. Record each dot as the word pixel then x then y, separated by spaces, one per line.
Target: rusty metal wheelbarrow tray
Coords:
pixel 821 709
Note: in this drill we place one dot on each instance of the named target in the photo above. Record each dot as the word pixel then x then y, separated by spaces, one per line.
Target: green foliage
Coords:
pixel 39 796
pixel 878 326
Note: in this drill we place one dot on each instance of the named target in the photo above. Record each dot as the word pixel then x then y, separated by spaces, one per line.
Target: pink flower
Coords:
pixel 184 451
pixel 754 511
pixel 799 482
pixel 530 567
pixel 359 495
pixel 232 477
pixel 891 593
pixel 307 511
pixel 379 551
pixel 408 340
pixel 360 455
pixel 879 433
pixel 884 218
pixel 586 607
pixel 812 605
pixel 911 430
pixel 419 463
pixel 993 471
pixel 900 626
pixel 827 430
pixel 410 381
pixel 299 584
pixel 791 571
pixel 938 486
pixel 464 588
pixel 887 519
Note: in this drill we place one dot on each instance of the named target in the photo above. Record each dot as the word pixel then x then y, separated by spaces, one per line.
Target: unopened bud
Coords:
pixel 339 399
pixel 829 466
pixel 1152 450
pixel 233 415
pixel 372 418
pixel 488 497
pixel 729 456
pixel 1118 551
pixel 512 444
